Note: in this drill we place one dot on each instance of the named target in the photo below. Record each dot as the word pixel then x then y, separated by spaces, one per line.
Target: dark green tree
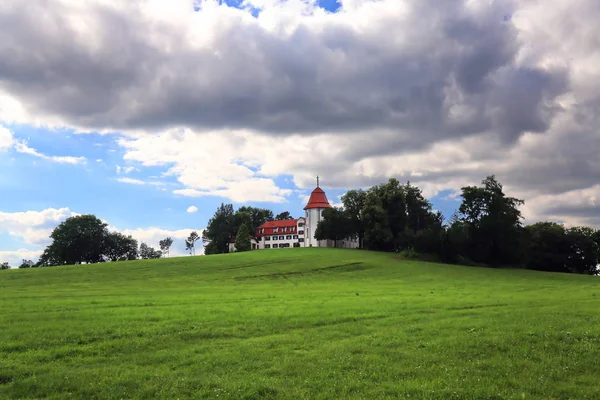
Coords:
pixel 354 204
pixel 147 252
pixel 4 265
pixel 242 239
pixel 283 216
pixel 26 264
pixel 165 245
pixel 384 216
pixel 190 242
pixel 494 223
pixel 220 230
pixel 584 255
pixel 258 216
pixel 119 247
pixel 79 239
pixel 335 225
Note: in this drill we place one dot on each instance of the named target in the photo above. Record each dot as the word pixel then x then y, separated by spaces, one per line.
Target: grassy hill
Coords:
pixel 298 323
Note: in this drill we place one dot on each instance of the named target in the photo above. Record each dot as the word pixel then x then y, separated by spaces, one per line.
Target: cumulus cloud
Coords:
pixel 34 227
pixel 441 93
pixel 192 209
pixel 6 138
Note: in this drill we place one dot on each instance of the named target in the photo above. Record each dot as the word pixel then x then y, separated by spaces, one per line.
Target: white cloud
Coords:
pixel 153 235
pixel 133 181
pixel 34 227
pixel 441 93
pixel 22 147
pixel 6 138
pixel 15 257
pixel 192 209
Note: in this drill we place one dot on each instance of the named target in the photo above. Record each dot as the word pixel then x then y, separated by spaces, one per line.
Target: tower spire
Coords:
pixel 317 180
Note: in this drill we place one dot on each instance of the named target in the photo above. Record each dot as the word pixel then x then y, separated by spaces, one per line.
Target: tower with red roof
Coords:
pixel 317 203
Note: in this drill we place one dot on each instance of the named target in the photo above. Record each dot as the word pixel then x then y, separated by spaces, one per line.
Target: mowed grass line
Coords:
pixel 298 323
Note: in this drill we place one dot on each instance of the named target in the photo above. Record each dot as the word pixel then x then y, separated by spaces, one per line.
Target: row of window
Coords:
pixel 281 246
pixel 282 237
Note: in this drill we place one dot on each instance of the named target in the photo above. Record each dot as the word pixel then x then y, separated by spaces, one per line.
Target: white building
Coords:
pixel 299 232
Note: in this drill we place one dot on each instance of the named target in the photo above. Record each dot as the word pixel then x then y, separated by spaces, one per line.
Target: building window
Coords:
pixel 295 236
pixel 267 246
pixel 274 246
pixel 292 229
pixel 284 245
pixel 281 237
pixel 296 244
pixel 275 230
pixel 301 240
pixel 288 237
pixel 300 225
pixel 300 232
pixel 267 238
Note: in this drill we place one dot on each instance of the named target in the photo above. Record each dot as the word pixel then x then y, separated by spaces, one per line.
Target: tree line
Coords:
pixel 487 229
pixel 86 239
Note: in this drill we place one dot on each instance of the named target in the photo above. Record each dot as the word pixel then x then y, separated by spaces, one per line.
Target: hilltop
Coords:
pixel 297 323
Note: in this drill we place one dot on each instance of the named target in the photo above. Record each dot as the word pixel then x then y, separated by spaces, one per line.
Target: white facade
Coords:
pixel 283 237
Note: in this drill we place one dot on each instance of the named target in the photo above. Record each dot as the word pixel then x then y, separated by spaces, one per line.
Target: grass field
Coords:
pixel 295 324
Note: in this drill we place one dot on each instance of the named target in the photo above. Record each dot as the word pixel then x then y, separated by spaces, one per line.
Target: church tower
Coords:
pixel 314 213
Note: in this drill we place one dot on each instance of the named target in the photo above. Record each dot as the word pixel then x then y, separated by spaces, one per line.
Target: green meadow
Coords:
pixel 297 324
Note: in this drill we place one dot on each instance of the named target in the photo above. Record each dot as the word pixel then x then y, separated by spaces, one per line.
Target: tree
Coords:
pixel 4 265
pixel 165 245
pixel 219 230
pixel 494 223
pixel 384 217
pixel 283 216
pixel 147 252
pixel 584 255
pixel 119 247
pixel 335 225
pixel 26 264
pixel 354 203
pixel 190 243
pixel 79 239
pixel 242 239
pixel 258 216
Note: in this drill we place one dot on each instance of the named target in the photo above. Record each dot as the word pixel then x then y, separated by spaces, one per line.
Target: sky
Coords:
pixel 151 113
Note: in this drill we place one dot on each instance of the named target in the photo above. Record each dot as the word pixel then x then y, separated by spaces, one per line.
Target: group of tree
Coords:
pixel 487 229
pixel 86 239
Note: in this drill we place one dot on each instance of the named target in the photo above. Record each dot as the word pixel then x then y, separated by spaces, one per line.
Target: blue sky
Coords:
pixel 246 102
pixel 94 187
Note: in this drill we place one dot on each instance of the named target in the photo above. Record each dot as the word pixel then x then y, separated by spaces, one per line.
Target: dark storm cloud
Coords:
pixel 403 76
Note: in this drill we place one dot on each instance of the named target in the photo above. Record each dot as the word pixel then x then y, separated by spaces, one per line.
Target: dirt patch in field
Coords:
pixel 349 267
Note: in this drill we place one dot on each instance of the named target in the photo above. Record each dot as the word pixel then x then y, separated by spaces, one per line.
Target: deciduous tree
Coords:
pixel 165 245
pixel 354 203
pixel 119 247
pixel 335 225
pixel 242 239
pixel 147 252
pixel 285 215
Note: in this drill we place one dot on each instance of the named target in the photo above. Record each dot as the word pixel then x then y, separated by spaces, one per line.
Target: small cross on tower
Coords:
pixel 317 180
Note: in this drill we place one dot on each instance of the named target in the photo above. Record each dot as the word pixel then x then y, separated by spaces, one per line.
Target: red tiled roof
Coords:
pixel 318 199
pixel 269 227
